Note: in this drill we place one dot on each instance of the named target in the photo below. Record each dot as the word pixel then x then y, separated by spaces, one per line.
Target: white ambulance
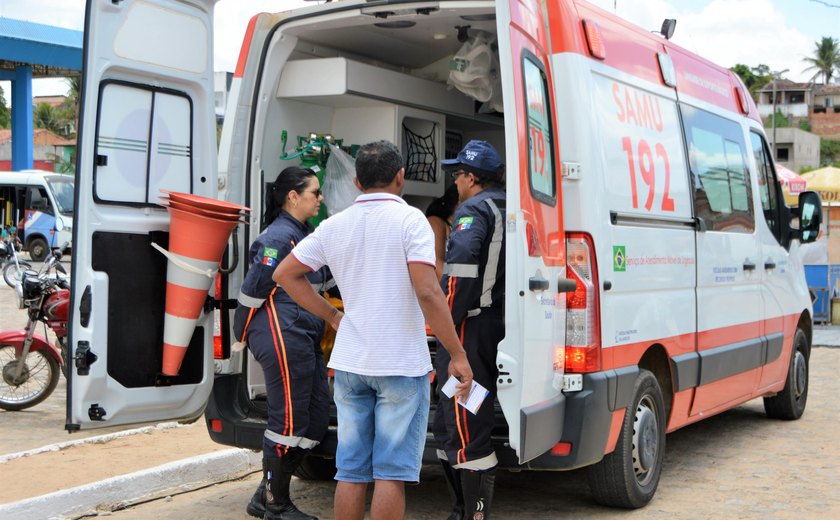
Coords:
pixel 652 277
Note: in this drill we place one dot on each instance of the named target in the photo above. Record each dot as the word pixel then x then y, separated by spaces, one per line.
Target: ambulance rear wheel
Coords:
pixel 628 477
pixel 789 404
pixel 316 468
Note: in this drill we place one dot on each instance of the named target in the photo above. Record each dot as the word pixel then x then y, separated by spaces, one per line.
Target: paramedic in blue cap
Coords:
pixel 473 280
pixel 286 340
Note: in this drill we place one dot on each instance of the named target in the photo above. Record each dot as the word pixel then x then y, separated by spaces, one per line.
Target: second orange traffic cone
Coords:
pixel 196 245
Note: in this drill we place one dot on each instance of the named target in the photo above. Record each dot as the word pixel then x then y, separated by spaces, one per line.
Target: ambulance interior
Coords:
pixel 357 78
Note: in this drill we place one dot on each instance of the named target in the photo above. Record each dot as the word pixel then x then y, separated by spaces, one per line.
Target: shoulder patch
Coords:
pixel 270 252
pixel 464 223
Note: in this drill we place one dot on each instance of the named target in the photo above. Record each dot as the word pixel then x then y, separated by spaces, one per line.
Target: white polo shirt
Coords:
pixel 368 247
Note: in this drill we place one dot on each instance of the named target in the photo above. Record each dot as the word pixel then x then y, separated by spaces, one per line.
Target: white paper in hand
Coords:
pixel 476 396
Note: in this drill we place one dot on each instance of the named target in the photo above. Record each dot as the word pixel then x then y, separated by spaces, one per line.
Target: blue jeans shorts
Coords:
pixel 382 422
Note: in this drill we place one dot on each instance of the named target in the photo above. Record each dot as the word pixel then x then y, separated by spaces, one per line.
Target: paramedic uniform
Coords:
pixel 285 339
pixel 473 280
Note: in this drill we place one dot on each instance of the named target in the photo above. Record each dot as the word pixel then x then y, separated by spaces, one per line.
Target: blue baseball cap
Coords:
pixel 477 155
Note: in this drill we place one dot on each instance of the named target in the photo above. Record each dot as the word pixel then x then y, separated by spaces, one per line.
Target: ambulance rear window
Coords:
pixel 717 155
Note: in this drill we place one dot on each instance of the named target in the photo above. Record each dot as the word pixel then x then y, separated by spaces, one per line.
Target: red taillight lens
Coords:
pixel 583 341
pixel 216 425
pixel 218 351
pixel 561 449
pixel 583 359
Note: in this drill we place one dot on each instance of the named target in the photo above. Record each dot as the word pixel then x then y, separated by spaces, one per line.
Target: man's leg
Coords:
pixel 388 500
pixel 350 500
pixel 354 401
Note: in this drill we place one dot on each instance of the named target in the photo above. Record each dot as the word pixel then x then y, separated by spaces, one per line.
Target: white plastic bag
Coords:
pixel 339 190
pixel 474 70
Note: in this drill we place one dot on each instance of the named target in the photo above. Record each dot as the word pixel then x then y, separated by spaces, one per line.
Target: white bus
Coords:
pixel 38 206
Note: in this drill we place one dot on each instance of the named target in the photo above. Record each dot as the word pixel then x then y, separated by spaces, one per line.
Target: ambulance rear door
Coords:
pixel 530 358
pixel 146 124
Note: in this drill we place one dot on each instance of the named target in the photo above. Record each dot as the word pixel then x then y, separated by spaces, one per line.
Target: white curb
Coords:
pixel 213 466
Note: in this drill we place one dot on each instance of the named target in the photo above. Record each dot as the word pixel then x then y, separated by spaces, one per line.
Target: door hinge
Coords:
pixel 84 358
pixel 96 412
pixel 212 303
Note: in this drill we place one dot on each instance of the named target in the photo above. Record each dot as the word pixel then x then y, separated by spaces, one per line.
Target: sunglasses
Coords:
pixel 456 173
pixel 317 192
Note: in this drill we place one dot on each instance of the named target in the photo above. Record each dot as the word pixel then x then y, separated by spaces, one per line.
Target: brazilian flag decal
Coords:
pixel 619 259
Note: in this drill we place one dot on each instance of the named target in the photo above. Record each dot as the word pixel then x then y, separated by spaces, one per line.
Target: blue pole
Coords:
pixel 22 118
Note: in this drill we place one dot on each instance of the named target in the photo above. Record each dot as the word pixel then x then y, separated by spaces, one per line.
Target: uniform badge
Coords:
pixel 269 256
pixel 464 223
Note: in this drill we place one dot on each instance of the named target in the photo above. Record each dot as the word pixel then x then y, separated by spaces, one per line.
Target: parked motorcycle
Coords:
pixel 13 267
pixel 30 364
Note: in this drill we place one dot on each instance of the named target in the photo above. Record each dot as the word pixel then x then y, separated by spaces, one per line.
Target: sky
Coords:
pixel 776 33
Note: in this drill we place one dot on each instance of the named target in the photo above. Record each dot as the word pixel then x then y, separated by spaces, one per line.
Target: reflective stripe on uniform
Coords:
pixel 490 461
pixel 461 270
pixel 494 253
pixel 291 441
pixel 249 301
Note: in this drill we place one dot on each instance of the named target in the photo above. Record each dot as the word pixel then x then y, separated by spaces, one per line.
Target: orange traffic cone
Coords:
pixel 196 245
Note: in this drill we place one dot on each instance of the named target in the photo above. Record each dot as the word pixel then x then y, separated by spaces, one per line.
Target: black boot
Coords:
pixel 453 484
pixel 278 504
pixel 478 493
pixel 256 507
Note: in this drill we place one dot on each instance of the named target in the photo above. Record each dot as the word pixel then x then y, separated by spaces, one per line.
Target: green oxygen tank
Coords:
pixel 314 151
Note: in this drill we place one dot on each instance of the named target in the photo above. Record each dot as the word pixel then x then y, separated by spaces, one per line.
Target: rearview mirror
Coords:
pixel 809 212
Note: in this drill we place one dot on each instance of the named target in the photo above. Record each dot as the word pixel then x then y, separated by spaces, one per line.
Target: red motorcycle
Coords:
pixel 29 362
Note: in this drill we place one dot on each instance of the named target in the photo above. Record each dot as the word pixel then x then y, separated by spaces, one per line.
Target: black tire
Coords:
pixel 316 468
pixel 789 404
pixel 38 249
pixel 38 380
pixel 628 477
pixel 13 272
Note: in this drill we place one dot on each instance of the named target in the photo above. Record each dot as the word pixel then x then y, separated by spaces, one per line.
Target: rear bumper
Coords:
pixel 587 417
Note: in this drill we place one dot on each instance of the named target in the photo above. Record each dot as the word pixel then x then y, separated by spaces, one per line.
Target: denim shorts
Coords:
pixel 382 422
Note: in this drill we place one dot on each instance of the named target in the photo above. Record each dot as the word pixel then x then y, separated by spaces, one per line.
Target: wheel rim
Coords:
pixel 34 378
pixel 800 374
pixel 645 440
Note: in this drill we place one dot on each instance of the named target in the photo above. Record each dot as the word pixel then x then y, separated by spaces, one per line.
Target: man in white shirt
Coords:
pixel 381 253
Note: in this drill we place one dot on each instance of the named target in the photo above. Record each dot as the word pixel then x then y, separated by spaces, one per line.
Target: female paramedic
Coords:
pixel 285 339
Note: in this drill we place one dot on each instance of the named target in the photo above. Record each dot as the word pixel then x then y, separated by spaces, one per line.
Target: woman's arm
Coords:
pixel 440 229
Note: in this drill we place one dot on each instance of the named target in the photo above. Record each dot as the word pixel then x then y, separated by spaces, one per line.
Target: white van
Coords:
pixel 43 203
pixel 652 276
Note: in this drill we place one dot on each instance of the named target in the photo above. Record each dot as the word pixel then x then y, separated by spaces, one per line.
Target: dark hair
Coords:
pixel 444 206
pixel 377 164
pixel 292 178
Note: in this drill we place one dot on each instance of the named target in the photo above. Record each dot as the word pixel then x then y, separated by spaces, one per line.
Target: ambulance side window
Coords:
pixel 717 157
pixel 540 137
pixel 768 185
pixel 143 143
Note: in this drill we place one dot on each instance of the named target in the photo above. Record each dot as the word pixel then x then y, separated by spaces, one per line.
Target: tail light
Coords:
pixel 583 340
pixel 218 352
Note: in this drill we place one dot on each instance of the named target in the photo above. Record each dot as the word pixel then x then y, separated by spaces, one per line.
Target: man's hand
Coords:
pixel 460 368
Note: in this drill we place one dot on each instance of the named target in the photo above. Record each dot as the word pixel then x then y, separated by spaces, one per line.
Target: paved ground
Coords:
pixel 738 464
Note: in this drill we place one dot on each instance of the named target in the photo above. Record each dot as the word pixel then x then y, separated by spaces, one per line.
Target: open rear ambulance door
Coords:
pixel 530 358
pixel 146 124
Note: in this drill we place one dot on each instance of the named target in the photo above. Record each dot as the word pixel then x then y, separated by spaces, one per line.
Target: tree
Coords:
pixel 754 78
pixel 46 116
pixel 826 58
pixel 74 96
pixel 5 116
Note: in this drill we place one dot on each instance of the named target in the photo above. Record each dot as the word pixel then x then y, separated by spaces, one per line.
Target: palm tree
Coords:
pixel 47 116
pixel 826 58
pixel 74 96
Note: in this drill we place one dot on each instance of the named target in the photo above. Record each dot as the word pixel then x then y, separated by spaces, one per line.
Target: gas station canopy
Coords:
pixel 33 50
